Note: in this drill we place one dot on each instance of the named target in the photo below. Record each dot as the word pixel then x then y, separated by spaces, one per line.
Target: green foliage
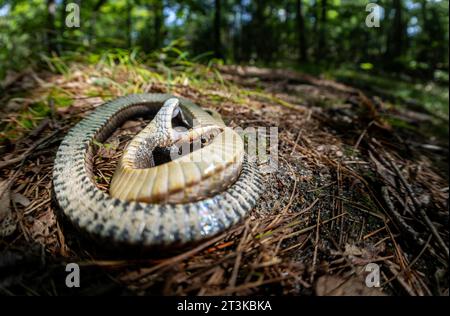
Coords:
pixel 433 97
pixel 171 37
pixel 251 31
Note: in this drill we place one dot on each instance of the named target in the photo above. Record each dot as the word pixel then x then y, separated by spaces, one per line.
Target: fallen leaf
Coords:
pixel 330 285
pixel 41 228
pixel 87 102
pixel 20 199
pixel 352 250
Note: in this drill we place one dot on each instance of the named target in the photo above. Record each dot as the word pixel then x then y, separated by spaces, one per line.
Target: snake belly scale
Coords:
pixel 138 223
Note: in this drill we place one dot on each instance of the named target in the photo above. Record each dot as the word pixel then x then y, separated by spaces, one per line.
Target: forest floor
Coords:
pixel 361 179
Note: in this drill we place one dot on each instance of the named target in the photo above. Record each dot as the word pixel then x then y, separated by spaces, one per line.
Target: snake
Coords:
pixel 156 203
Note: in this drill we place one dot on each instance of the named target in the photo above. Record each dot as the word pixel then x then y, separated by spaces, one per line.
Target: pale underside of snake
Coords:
pixel 180 200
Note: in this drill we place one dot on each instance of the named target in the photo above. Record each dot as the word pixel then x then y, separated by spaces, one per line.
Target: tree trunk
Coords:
pixel 321 49
pixel 395 38
pixel 91 33
pixel 51 29
pixel 260 35
pixel 435 36
pixel 301 33
pixel 237 40
pixel 398 39
pixel 158 23
pixel 62 25
pixel 129 26
pixel 217 28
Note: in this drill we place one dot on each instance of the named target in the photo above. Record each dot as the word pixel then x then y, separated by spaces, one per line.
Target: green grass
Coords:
pixel 130 71
pixel 431 96
pixel 25 120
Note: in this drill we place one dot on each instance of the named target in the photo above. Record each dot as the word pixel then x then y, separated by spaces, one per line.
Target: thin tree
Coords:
pixel 51 28
pixel 301 33
pixel 398 30
pixel 217 29
pixel 62 25
pixel 237 38
pixel 128 22
pixel 395 40
pixel 91 34
pixel 321 48
pixel 158 23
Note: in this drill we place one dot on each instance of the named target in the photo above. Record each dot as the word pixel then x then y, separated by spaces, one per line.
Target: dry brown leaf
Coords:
pixel 352 250
pixel 87 102
pixel 20 199
pixel 41 227
pixel 362 256
pixel 330 285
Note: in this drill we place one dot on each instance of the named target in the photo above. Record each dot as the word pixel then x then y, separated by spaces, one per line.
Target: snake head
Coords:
pixel 165 133
pixel 172 106
pixel 170 134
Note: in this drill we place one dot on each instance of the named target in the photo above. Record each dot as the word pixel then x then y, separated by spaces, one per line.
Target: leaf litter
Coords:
pixel 350 189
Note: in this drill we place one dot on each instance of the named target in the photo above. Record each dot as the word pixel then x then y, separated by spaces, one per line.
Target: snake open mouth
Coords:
pixel 162 155
pixel 176 159
pixel 175 202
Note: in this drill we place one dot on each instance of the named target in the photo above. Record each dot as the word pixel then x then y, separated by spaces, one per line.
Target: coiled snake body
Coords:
pixel 147 205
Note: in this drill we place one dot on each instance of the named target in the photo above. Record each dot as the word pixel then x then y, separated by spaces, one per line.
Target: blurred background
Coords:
pixel 358 90
pixel 412 38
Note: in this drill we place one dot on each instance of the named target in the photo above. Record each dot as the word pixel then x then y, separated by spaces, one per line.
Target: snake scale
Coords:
pixel 175 220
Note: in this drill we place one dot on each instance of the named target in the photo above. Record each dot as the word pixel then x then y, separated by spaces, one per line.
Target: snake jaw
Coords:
pixel 165 133
pixel 196 169
pixel 170 136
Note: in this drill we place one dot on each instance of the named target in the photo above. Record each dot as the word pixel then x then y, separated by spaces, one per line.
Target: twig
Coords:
pixel 419 208
pixel 248 286
pixel 316 246
pixel 374 232
pixel 408 268
pixel 42 125
pixel 307 229
pixel 183 256
pixel 402 282
pixel 237 262
pixel 29 151
pixel 362 135
pixel 296 142
pixel 399 219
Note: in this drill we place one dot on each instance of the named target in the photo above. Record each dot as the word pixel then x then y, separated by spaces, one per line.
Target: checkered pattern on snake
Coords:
pixel 113 220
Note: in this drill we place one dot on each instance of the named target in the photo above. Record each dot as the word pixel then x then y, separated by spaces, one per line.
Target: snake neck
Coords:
pixel 168 163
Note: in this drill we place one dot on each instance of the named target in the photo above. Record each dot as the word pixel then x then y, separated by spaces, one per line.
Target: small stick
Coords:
pixel 173 260
pixel 296 142
pixel 362 135
pixel 316 246
pixel 399 219
pixel 237 262
pixel 419 208
pixel 25 155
